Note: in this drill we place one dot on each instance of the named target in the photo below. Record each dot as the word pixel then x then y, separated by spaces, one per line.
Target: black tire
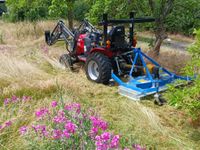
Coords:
pixel 102 70
pixel 66 60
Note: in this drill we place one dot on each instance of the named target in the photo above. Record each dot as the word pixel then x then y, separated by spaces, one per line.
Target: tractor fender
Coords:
pixel 104 51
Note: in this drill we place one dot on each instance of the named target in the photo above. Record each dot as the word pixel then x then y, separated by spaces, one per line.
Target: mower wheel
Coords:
pixel 66 60
pixel 98 68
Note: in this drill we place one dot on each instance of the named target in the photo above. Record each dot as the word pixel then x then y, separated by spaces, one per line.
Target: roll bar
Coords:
pixel 105 22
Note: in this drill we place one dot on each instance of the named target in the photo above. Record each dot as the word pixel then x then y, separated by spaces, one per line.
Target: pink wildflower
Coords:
pixel 6 101
pixel 66 134
pixel 96 122
pixel 14 98
pixel 70 127
pixel 103 125
pixel 23 130
pixel 101 145
pixel 105 136
pixel 102 141
pixel 105 141
pixel 138 147
pixel 54 104
pixel 93 132
pixel 115 142
pixel 41 112
pixel 60 118
pixel 73 107
pixel 8 123
pixel 57 134
pixel 26 98
pixel 97 138
pixel 40 129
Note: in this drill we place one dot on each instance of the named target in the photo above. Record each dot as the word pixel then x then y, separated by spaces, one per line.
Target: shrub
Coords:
pixel 188 98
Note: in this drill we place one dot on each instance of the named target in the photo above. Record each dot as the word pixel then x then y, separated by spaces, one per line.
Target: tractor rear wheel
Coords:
pixel 98 68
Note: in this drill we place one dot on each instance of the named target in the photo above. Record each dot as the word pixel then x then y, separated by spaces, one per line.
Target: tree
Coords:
pixel 63 8
pixel 70 14
pixel 20 10
pixel 58 9
pixel 160 10
pixel 184 17
pixel 96 11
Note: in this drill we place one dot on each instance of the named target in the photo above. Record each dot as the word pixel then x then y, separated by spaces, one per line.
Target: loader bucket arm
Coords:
pixel 87 24
pixel 60 33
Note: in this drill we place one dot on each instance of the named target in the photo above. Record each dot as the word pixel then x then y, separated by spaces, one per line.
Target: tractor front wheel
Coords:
pixel 66 60
pixel 98 68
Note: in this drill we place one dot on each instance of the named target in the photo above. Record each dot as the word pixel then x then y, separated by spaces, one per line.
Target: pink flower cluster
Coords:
pixel 69 129
pixel 73 124
pixel 60 117
pixel 57 134
pixel 107 141
pixel 15 99
pixel 40 130
pixel 97 124
pixel 42 112
pixel 73 107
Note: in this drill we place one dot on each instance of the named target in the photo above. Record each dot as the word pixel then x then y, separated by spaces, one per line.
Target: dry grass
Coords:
pixel 172 59
pixel 13 68
pixel 28 67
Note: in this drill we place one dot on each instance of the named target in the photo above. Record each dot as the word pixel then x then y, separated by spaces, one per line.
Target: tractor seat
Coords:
pixel 117 38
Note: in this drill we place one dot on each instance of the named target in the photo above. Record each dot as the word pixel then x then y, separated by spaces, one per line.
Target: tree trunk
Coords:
pixel 70 19
pixel 160 13
pixel 160 37
pixel 70 14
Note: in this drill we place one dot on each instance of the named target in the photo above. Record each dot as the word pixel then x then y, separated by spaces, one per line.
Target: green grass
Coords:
pixel 34 92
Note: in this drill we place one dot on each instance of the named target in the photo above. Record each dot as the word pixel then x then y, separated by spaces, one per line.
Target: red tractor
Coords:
pixel 104 51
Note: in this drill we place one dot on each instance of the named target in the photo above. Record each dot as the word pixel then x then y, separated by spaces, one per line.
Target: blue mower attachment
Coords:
pixel 141 86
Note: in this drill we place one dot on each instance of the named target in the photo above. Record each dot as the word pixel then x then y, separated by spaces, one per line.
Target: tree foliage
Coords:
pixel 184 17
pixel 57 8
pixel 181 19
pixel 20 10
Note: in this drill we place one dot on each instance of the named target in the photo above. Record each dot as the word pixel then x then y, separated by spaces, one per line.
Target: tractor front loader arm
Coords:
pixel 60 33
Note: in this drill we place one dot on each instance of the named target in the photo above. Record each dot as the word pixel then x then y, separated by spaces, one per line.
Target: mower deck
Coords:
pixel 141 86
